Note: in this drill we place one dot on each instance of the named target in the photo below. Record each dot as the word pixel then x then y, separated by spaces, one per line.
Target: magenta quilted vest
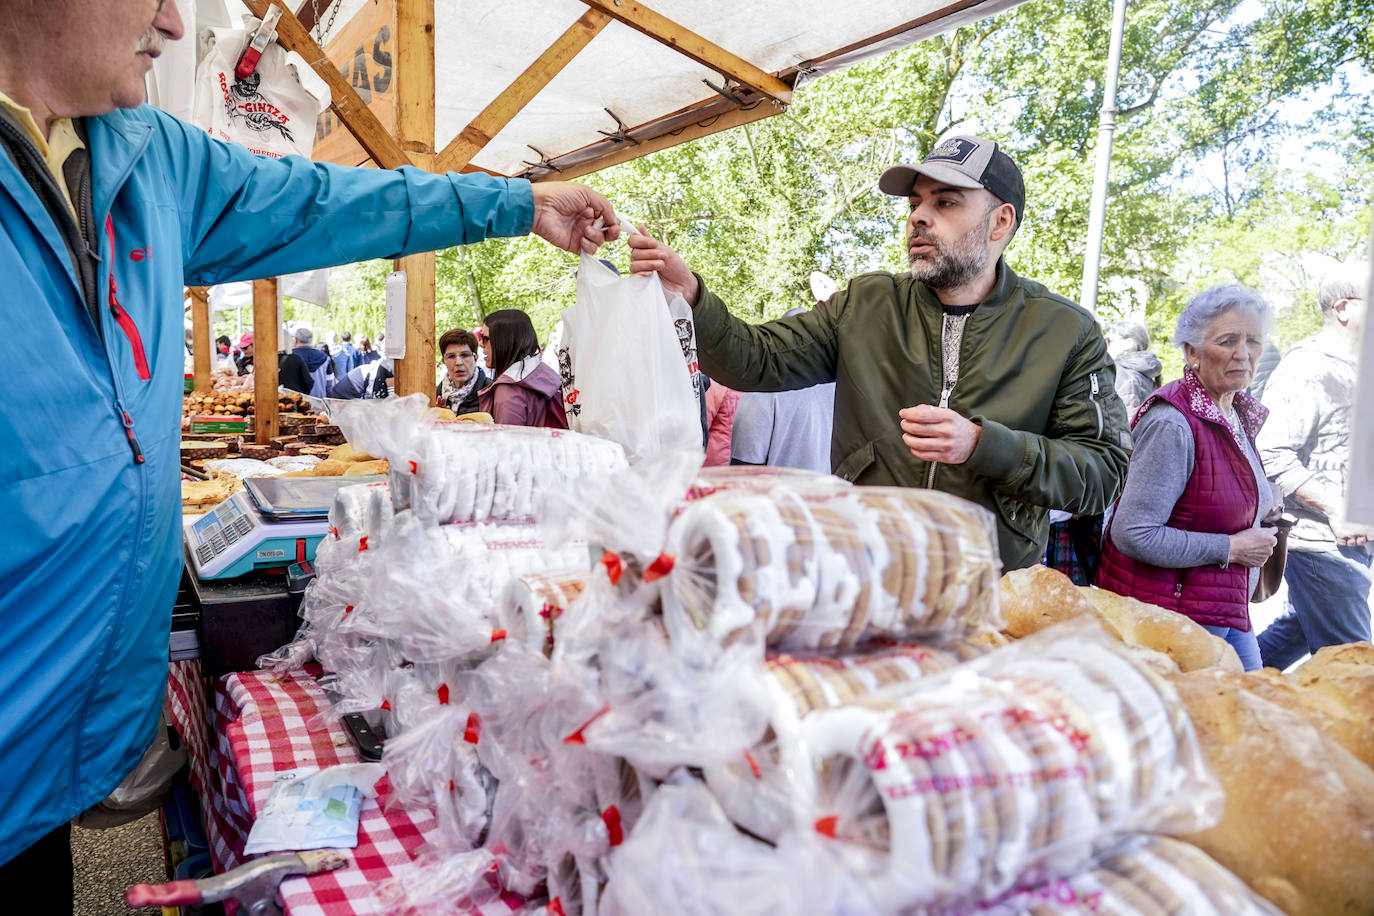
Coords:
pixel 1220 497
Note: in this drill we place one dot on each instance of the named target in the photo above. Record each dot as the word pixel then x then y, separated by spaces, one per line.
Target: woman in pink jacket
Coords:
pixel 524 391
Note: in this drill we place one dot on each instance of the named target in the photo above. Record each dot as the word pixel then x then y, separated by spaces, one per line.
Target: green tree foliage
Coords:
pixel 1210 90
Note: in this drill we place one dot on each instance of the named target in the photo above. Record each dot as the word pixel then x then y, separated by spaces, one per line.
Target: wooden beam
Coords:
pixel 578 162
pixel 265 324
pixel 352 111
pixel 415 126
pixel 473 138
pixel 662 29
pixel 201 345
pixel 306 12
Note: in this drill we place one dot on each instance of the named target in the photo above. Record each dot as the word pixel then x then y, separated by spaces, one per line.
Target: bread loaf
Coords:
pixel 1037 597
pixel 1298 825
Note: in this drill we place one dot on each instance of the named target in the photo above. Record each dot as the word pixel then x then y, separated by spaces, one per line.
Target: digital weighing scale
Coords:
pixel 270 524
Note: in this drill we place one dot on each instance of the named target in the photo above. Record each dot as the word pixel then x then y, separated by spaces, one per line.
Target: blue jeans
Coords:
pixel 1328 605
pixel 1243 641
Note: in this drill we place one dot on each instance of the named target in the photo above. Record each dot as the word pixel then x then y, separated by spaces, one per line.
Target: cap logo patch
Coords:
pixel 956 149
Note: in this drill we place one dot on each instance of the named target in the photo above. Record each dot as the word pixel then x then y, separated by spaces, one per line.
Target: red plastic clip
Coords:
pixel 498 635
pixel 386 705
pixel 362 543
pixel 661 566
pixel 826 825
pixel 576 737
pixel 555 907
pixel 474 728
pixel 348 609
pixel 414 468
pixel 614 568
pixel 753 765
pixel 611 818
pixel 443 694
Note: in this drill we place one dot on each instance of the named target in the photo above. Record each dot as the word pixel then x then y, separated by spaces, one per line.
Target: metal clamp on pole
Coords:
pixel 267 30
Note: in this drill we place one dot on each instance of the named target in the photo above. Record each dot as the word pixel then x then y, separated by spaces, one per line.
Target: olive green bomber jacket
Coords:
pixel 1034 373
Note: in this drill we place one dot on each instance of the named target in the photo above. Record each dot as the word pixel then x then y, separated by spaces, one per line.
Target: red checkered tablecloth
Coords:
pixel 262 726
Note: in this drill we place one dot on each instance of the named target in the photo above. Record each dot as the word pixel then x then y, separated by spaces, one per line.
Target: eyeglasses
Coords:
pixel 464 354
pixel 482 336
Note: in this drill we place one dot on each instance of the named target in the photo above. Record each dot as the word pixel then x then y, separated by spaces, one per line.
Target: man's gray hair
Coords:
pixel 1130 329
pixel 303 336
pixel 1210 304
pixel 1344 281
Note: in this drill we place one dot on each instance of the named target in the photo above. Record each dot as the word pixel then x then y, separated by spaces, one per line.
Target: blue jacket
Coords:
pixel 91 544
pixel 346 360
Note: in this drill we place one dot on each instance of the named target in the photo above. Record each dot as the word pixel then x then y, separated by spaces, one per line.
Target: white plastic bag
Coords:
pixel 272 112
pixel 624 373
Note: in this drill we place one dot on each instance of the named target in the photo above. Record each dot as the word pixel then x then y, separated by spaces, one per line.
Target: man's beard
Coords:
pixel 952 264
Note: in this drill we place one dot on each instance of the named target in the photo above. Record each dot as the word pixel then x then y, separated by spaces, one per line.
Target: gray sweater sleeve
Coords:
pixel 1160 467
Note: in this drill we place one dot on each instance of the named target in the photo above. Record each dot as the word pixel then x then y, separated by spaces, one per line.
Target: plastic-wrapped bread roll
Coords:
pixel 829 567
pixel 753 790
pixel 1010 769
pixel 467 472
pixel 1144 876
pixel 1298 824
pixel 531 603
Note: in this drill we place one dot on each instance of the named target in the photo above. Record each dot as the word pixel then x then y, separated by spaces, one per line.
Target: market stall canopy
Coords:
pixel 310 286
pixel 559 88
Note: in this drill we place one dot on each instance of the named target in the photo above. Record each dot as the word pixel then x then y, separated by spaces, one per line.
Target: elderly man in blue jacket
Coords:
pixel 108 208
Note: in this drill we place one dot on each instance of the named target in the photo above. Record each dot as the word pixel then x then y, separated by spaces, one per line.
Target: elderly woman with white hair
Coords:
pixel 1186 533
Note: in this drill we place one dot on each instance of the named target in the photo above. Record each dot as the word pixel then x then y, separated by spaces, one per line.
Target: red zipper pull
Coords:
pixel 133 440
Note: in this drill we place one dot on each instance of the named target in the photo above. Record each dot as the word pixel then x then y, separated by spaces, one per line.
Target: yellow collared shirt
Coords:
pixel 61 142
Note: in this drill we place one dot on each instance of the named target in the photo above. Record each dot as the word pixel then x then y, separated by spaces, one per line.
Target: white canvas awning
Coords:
pixel 311 286
pixel 559 88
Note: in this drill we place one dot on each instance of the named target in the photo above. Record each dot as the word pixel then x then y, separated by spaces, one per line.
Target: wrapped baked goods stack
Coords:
pixel 801 667
pixel 405 604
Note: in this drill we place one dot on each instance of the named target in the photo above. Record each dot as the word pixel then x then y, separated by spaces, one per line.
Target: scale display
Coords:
pixel 234 539
pixel 272 523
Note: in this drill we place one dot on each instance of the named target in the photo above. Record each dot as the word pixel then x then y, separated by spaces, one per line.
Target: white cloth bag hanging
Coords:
pixel 622 366
pixel 273 112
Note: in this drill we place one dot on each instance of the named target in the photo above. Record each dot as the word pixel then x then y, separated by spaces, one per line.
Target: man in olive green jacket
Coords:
pixel 960 375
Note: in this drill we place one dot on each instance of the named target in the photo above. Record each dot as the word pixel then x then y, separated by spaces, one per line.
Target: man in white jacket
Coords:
pixel 1305 447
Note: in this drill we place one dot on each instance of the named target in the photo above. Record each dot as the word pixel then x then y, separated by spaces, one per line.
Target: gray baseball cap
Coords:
pixel 963 162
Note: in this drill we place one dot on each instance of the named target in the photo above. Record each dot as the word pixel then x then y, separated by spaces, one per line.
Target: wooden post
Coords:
pixel 265 324
pixel 201 344
pixel 415 126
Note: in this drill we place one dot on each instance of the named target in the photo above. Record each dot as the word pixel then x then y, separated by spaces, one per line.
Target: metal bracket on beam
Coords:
pixel 725 90
pixel 543 162
pixel 621 134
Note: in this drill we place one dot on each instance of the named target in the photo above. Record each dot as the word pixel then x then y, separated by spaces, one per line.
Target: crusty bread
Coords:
pixel 362 468
pixel 348 453
pixel 330 467
pixel 478 416
pixel 1188 644
pixel 1339 681
pixel 1038 597
pixel 1298 824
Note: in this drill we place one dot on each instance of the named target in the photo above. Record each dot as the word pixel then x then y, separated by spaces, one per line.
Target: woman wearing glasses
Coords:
pixel 462 378
pixel 526 391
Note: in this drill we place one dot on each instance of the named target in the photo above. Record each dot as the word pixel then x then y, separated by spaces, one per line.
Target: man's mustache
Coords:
pixel 151 43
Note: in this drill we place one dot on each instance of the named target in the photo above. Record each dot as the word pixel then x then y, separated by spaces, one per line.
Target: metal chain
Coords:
pixel 322 30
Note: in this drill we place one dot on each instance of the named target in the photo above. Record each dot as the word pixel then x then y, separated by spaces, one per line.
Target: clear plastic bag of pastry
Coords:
pixel 434 763
pixel 622 688
pixel 461 472
pixel 828 568
pixel 1142 875
pixel 753 787
pixel 1012 769
pixel 685 858
pixel 530 606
